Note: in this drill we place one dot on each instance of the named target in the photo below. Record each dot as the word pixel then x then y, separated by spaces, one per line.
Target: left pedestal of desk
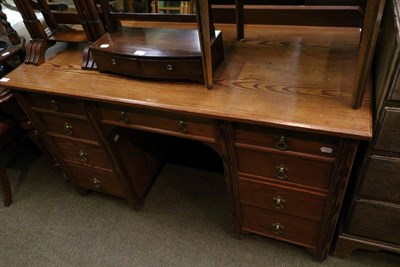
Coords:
pixel 93 157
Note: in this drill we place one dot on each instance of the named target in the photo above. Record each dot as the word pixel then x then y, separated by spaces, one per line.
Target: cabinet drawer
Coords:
pixel 293 229
pixel 382 179
pixel 286 140
pixel 55 103
pixel 388 139
pixel 375 220
pixel 172 69
pixel 285 168
pixel 96 180
pixel 69 127
pixel 282 199
pixel 81 153
pixel 117 64
pixel 158 121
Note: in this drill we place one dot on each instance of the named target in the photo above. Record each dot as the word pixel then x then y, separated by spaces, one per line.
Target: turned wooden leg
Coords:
pixel 5 184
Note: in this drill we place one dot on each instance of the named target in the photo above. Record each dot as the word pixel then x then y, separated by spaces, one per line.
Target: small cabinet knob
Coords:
pixel 113 62
pixel 279 203
pixel 83 156
pixel 68 129
pixel 170 67
pixel 282 143
pixel 277 228
pixel 123 117
pixel 281 172
pixel 54 105
pixel 183 127
pixel 96 183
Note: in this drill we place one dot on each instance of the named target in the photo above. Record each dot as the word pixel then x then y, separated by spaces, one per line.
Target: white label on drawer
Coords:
pixel 104 45
pixel 4 79
pixel 116 137
pixel 5 54
pixel 325 149
pixel 139 53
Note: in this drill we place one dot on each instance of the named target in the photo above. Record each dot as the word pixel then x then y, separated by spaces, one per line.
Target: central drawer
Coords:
pixel 162 122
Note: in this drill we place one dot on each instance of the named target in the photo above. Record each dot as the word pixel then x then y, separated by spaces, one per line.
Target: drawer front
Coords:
pixel 69 127
pixel 382 179
pixel 388 139
pixel 117 64
pixel 300 231
pixel 178 69
pixel 158 121
pixel 282 199
pixel 285 168
pixel 376 221
pixel 285 140
pixel 55 103
pixel 100 181
pixel 81 153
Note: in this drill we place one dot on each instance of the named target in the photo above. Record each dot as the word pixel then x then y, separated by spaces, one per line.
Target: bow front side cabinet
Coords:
pixel 278 116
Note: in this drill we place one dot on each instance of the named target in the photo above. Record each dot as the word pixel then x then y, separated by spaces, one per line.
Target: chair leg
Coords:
pixel 6 187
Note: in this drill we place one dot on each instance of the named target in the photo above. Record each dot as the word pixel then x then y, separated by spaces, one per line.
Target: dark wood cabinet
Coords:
pixel 373 218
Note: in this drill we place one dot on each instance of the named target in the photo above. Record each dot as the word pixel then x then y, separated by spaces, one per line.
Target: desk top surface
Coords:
pixel 297 78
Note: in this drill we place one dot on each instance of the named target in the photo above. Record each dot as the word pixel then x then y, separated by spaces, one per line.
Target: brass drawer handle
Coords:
pixel 277 228
pixel 113 62
pixel 182 127
pixel 281 144
pixel 83 156
pixel 170 67
pixel 54 105
pixel 68 129
pixel 281 172
pixel 96 183
pixel 123 117
pixel 279 203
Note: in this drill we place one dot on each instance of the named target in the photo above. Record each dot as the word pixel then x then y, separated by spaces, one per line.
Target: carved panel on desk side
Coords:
pixel 337 188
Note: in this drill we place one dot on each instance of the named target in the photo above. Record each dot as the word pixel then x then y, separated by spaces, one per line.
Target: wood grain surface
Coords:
pixel 298 78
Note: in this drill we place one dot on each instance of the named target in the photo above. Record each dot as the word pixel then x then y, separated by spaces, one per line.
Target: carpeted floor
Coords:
pixel 185 222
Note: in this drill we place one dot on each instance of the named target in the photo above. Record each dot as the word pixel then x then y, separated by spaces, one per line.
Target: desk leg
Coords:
pixel 225 140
